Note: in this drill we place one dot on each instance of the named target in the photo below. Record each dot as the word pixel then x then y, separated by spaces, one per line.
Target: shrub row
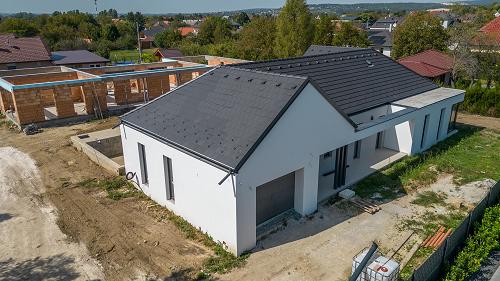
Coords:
pixel 485 239
pixel 482 101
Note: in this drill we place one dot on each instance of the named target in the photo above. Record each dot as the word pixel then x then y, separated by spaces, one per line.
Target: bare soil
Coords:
pixel 479 121
pixel 128 239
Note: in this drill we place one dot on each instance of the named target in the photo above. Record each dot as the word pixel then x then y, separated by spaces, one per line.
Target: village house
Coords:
pixel 78 59
pixel 23 52
pixel 432 64
pixel 244 144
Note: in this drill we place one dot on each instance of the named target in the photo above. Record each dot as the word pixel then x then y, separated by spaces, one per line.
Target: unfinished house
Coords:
pixel 46 94
pixel 243 144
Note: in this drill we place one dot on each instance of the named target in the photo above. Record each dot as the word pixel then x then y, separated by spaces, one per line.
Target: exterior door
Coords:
pixel 275 197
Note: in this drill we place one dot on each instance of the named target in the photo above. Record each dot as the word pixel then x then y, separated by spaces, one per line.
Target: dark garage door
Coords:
pixel 275 197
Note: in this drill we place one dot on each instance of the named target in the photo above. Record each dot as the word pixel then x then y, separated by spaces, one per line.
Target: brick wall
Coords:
pixel 28 106
pixel 47 97
pixel 184 77
pixel 92 90
pixel 157 85
pixel 64 101
pixel 6 102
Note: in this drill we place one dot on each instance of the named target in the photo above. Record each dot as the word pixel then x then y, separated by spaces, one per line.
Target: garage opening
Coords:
pixel 275 197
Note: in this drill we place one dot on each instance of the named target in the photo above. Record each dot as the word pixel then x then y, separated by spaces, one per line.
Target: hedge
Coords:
pixel 482 101
pixel 478 247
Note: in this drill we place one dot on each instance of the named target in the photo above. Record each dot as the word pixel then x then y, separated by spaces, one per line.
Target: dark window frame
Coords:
pixel 143 163
pixel 441 115
pixel 424 130
pixel 452 123
pixel 380 140
pixel 357 149
pixel 169 179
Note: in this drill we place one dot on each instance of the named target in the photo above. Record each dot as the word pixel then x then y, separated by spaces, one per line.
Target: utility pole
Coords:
pixel 95 3
pixel 139 41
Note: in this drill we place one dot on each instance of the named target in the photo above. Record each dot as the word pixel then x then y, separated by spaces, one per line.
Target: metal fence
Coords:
pixel 431 269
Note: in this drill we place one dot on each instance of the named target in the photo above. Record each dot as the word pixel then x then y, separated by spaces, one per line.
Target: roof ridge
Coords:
pixel 310 56
pixel 265 72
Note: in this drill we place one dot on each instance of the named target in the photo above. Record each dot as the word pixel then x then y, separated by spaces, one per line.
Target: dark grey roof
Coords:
pixel 170 53
pixel 151 32
pixel 386 23
pixel 352 81
pixel 220 116
pixel 76 57
pixel 320 50
pixel 380 38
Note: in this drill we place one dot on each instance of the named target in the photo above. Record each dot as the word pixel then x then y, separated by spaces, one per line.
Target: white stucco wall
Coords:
pixel 198 197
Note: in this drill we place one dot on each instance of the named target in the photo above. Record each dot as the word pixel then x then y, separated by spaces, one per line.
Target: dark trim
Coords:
pixel 269 128
pixel 180 148
pixel 424 130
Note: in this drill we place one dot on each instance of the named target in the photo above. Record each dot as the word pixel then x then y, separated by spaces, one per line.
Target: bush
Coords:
pixel 485 239
pixel 482 101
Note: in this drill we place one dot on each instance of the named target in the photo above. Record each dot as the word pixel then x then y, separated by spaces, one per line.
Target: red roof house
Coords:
pixel 489 34
pixel 431 64
pixel 23 52
pixel 186 30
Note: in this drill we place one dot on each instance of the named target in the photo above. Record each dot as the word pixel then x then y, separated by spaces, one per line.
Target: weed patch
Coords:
pixel 430 222
pixel 429 198
pixel 117 188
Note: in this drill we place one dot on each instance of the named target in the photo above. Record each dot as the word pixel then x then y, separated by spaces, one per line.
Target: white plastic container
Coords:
pixel 382 269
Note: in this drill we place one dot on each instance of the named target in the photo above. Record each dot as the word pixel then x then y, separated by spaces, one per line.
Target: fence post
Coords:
pixel 469 223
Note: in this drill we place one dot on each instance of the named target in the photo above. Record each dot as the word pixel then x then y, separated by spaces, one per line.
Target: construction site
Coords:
pixel 57 94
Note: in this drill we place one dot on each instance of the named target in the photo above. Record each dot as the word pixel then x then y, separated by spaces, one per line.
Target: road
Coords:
pixel 32 247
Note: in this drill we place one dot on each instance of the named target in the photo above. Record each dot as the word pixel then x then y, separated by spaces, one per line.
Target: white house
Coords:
pixel 244 143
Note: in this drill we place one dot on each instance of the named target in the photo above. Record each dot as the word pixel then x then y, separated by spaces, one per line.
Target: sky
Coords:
pixel 159 6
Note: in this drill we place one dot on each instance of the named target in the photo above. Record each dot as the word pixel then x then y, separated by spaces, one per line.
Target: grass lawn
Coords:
pixel 128 55
pixel 469 155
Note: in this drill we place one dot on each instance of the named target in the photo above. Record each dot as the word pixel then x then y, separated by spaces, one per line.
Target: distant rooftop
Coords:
pixel 76 57
pixel 430 63
pixel 15 49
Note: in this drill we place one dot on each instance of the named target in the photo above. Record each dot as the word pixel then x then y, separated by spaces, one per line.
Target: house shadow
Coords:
pixel 58 267
pixel 5 217
pixel 386 185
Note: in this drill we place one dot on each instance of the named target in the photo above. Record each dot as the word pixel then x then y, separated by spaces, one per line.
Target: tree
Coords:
pixel 465 64
pixel 349 36
pixel 168 38
pixel 323 33
pixel 110 32
pixel 257 38
pixel 136 18
pixel 419 32
pixel 294 29
pixel 19 27
pixel 241 18
pixel 214 30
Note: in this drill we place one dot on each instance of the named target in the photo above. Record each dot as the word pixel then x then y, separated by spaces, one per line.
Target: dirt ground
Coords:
pixel 480 121
pixel 322 247
pixel 127 240
pixel 32 247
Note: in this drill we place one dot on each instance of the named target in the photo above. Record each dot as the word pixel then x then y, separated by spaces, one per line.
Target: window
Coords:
pixel 169 183
pixel 380 140
pixel 441 116
pixel 453 118
pixel 424 131
pixel 11 66
pixel 357 149
pixel 143 163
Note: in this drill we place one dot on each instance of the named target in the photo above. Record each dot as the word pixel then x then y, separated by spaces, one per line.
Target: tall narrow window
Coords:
pixel 357 149
pixel 380 140
pixel 441 116
pixel 143 163
pixel 453 118
pixel 424 131
pixel 169 183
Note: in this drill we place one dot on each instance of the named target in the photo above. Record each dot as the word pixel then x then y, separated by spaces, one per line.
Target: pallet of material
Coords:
pixel 435 240
pixel 365 205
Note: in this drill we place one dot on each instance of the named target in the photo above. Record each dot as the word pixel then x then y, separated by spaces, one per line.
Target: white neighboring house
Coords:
pixel 242 144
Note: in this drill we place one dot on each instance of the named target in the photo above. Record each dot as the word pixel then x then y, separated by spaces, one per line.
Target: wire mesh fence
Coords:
pixel 432 267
